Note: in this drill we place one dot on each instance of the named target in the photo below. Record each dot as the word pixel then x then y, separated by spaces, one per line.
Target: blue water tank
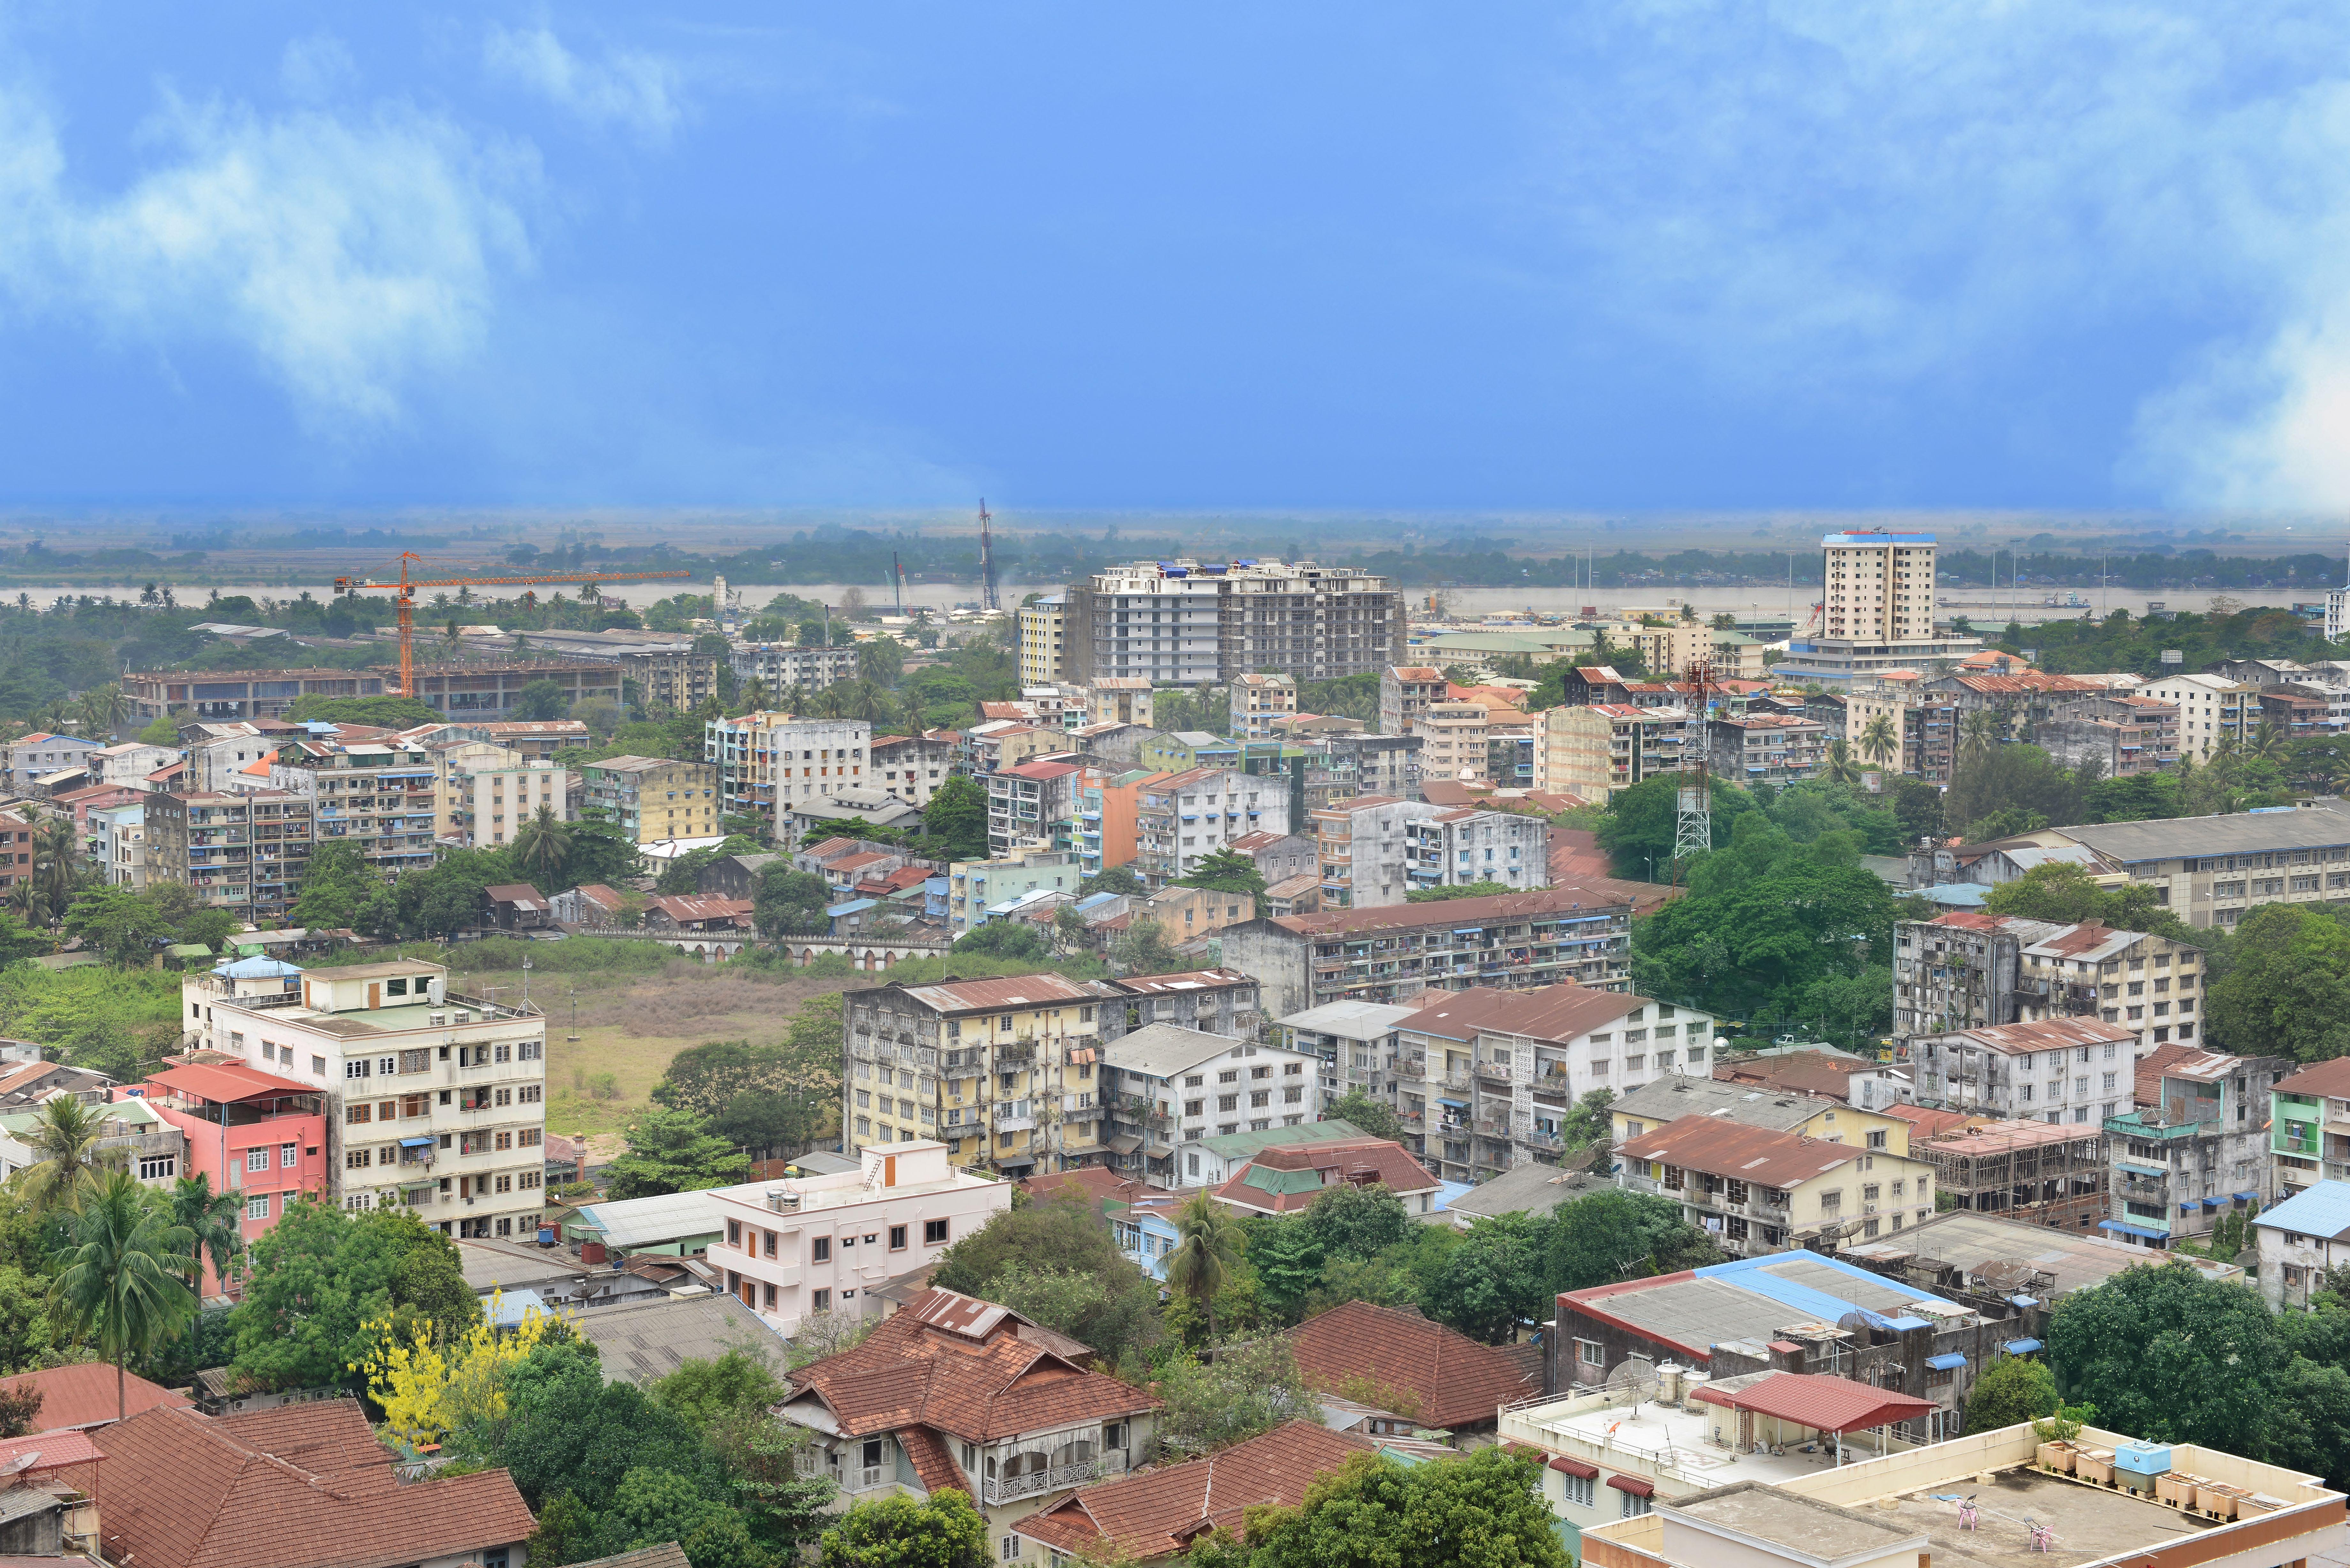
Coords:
pixel 2143 1458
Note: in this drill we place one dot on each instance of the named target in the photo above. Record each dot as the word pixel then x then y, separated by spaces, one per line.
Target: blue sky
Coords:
pixel 1686 252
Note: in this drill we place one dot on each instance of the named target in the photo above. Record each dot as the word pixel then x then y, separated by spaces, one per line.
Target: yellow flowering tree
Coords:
pixel 429 1386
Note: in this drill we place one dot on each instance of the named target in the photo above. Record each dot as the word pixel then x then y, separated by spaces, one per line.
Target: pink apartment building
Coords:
pixel 259 1137
pixel 820 1243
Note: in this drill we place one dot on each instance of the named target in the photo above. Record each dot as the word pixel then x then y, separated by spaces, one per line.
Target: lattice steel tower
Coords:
pixel 1693 823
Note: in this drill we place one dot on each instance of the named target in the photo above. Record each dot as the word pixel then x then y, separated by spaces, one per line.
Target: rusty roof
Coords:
pixel 1458 1381
pixel 1155 1514
pixel 1542 904
pixel 1734 1150
pixel 988 995
pixel 2323 1078
pixel 1190 980
pixel 2046 1035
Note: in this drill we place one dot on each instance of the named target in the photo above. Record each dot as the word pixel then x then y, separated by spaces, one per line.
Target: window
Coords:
pixel 934 1233
pixel 896 1237
pixel 257 1158
pixel 820 1252
pixel 160 1168
pixel 358 1069
pixel 358 1114
pixel 257 1206
pixel 1590 1353
pixel 1634 1506
pixel 1011 1549
pixel 1877 1140
pixel 820 1301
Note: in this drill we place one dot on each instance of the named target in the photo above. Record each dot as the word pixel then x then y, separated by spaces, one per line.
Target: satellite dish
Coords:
pixel 21 1463
pixel 1856 1324
pixel 1633 1382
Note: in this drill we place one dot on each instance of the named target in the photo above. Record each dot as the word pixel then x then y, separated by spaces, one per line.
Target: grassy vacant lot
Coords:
pixel 630 1020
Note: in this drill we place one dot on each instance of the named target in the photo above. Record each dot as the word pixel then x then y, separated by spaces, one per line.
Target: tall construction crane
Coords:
pixel 986 560
pixel 405 590
pixel 1693 821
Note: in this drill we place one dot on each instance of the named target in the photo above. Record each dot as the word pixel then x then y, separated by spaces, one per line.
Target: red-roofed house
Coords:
pixel 1453 1382
pixel 86 1395
pixel 954 1392
pixel 1156 1516
pixel 1287 1178
pixel 302 1485
pixel 1755 1190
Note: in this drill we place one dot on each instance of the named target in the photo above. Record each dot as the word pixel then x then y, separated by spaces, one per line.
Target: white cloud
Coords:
pixel 636 91
pixel 347 256
pixel 1852 200
pixel 316 68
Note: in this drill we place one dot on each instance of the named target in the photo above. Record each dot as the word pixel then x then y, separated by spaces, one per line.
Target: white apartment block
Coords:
pixel 784 665
pixel 1167 1086
pixel 1599 749
pixel 1257 700
pixel 2212 711
pixel 768 762
pixel 488 800
pixel 1467 844
pixel 1406 691
pixel 1361 845
pixel 435 1102
pixel 1879 586
pixel 1182 819
pixel 814 1243
pixel 1189 623
pixel 121 835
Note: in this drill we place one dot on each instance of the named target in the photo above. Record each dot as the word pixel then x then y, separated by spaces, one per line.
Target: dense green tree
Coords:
pixel 2068 895
pixel 1250 1385
pixel 214 1221
pixel 160 731
pixel 1287 1259
pixel 1018 940
pixel 785 902
pixel 674 1151
pixel 1043 1255
pixel 2018 778
pixel 1638 830
pixel 1228 871
pixel 1357 1222
pixel 539 702
pixel 1495 1280
pixel 2167 1354
pixel 119 923
pixel 598 852
pixel 1485 1509
pixel 1615 1235
pixel 1590 1121
pixel 1112 880
pixel 541 845
pixel 313 1282
pixel 1207 1248
pixel 944 1530
pixel 955 820
pixel 388 712
pixel 340 892
pixel 1143 949
pixel 1374 1117
pixel 2287 986
pixel 1113 1314
pixel 706 1079
pixel 653 1508
pixel 2013 1389
pixel 431 1282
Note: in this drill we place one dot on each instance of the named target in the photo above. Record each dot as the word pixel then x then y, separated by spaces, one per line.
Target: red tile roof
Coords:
pixel 1822 1402
pixel 1458 1381
pixel 83 1395
pixel 1288 1178
pixel 306 1486
pixel 224 1083
pixel 1805 1072
pixel 1157 1514
pixel 1737 1151
pixel 1558 1011
pixel 968 1368
pixel 2324 1078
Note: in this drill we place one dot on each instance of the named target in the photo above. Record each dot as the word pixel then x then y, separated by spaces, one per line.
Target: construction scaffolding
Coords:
pixel 2041 1173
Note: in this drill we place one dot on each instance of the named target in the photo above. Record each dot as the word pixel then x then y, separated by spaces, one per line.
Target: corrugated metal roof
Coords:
pixel 2321 1211
pixel 986 995
pixel 1822 1402
pixel 2243 833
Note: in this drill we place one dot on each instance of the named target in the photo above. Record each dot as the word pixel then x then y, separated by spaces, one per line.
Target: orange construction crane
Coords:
pixel 407 585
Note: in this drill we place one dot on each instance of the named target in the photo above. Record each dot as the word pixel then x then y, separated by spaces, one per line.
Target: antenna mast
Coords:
pixel 1693 823
pixel 897 580
pixel 986 561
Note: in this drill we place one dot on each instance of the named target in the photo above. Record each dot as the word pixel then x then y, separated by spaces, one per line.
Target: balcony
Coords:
pixel 995 1493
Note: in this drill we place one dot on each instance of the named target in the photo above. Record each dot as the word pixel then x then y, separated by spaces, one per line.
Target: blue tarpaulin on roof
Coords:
pixel 2022 1347
pixel 2134 1230
pixel 416 1143
pixel 1944 1363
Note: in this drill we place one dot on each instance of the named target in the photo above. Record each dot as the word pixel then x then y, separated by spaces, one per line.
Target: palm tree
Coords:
pixel 2266 743
pixel 542 845
pixel 1207 1247
pixel 122 1280
pixel 1878 741
pixel 55 715
pixel 212 1220
pixel 58 866
pixel 1982 731
pixel 64 1135
pixel 103 708
pixel 1841 769
pixel 754 694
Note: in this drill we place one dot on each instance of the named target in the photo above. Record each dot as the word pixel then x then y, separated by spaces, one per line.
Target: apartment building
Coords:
pixel 1578 931
pixel 435 1102
pixel 788 666
pixel 2303 1243
pixel 1924 731
pixel 120 835
pixel 976 887
pixel 537 739
pixel 1044 627
pixel 2038 1173
pixel 1457 738
pixel 1184 817
pixel 1466 845
pixel 1360 846
pixel 492 691
pixel 2118 734
pixel 1186 623
pixel 2308 1123
pixel 36 756
pixel 1166 1085
pixel 1667 648
pixel 823 1243
pixel 231 694
pixel 129 764
pixel 1119 700
pixel 1488 1077
pixel 2194 1148
pixel 2068 1069
pixel 661 671
pixel 653 799
pixel 1601 749
pixel 1878 612
pixel 2212 871
pixel 1755 1191
pixel 1969 970
pixel 768 761
pixel 1815 1116
pixel 912 767
pixel 1766 748
pixel 243 853
pixel 1406 691
pixel 1107 802
pixel 1002 1072
pixel 378 795
pixel 487 800
pixel 1358 1044
pixel 1257 700
pixel 1033 806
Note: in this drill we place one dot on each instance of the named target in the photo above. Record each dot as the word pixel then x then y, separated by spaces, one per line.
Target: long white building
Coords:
pixel 1192 623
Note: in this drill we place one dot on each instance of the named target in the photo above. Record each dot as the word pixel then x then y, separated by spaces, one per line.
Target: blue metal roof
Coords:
pixel 1945 1362
pixel 258 969
pixel 1749 1273
pixel 2022 1347
pixel 2322 1210
pixel 852 907
pixel 2137 1169
pixel 1906 1323
pixel 2134 1230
